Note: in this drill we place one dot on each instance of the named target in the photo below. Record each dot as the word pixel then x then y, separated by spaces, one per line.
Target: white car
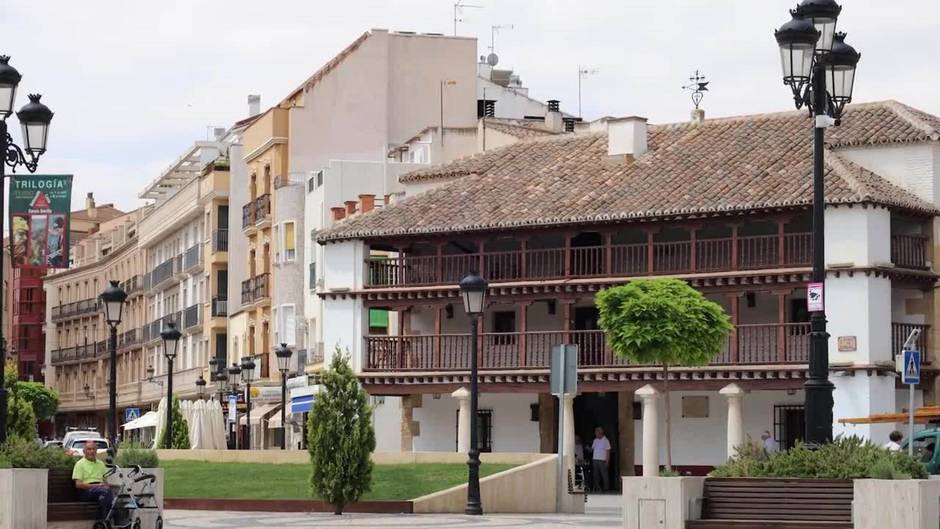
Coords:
pixel 71 435
pixel 77 445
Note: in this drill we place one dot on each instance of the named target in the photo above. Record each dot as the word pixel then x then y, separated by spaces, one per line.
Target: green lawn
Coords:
pixel 202 479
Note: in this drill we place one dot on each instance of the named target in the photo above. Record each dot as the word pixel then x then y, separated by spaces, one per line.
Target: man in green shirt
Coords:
pixel 88 475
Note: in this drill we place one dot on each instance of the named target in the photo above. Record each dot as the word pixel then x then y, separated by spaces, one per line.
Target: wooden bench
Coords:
pixel 64 504
pixel 775 503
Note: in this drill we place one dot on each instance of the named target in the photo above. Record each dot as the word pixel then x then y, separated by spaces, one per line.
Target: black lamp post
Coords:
pixel 201 387
pixel 283 354
pixel 234 372
pixel 35 118
pixel 473 288
pixel 171 339
pixel 248 374
pixel 819 68
pixel 113 301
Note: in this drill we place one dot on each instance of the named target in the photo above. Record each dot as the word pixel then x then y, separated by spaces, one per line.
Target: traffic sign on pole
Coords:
pixel 911 368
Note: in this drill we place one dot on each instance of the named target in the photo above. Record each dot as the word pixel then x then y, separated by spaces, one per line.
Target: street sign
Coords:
pixel 815 298
pixel 911 372
pixel 564 370
pixel 232 407
pixel 130 414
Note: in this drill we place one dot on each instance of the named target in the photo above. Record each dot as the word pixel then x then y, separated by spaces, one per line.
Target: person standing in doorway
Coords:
pixel 770 446
pixel 894 443
pixel 600 461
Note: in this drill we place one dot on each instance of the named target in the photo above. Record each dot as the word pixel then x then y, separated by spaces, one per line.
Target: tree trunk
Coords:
pixel 668 417
pixel 338 508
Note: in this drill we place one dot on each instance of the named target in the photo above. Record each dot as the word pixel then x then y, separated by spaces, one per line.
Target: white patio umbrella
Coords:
pixel 196 427
pixel 217 419
pixel 161 421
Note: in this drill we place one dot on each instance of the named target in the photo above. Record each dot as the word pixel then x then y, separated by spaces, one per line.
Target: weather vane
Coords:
pixel 699 84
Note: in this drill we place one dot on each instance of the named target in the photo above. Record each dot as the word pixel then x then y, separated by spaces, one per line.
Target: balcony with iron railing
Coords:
pixel 220 306
pixel 248 216
pixel 75 353
pixel 75 309
pixel 192 316
pixel 247 292
pixel 134 285
pixel 220 240
pixel 159 324
pixel 263 209
pixel 192 259
pixel 162 274
pixel 261 287
pixel 130 338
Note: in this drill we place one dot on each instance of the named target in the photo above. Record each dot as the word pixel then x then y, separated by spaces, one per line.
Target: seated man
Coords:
pixel 88 474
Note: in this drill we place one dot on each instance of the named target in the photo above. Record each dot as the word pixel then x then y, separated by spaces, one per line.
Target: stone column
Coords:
pixel 625 427
pixel 735 394
pixel 463 419
pixel 409 427
pixel 568 402
pixel 650 397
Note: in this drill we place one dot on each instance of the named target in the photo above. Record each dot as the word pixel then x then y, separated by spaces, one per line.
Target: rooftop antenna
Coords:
pixel 458 10
pixel 493 31
pixel 583 72
pixel 697 87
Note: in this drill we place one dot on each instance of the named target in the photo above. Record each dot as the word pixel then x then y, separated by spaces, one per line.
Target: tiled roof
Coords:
pixel 517 128
pixel 719 166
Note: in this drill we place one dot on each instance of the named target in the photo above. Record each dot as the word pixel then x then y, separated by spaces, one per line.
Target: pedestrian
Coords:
pixel 88 474
pixel 770 446
pixel 894 443
pixel 600 459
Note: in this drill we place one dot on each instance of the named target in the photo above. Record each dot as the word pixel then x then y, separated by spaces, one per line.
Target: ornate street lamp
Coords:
pixel 112 299
pixel 171 340
pixel 284 355
pixel 201 387
pixel 813 53
pixel 35 118
pixel 473 288
pixel 248 375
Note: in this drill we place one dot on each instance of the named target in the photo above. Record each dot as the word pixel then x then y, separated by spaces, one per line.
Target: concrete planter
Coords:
pixel 661 502
pixel 898 504
pixel 23 497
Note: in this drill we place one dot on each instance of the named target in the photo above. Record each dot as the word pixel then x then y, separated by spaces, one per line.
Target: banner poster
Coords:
pixel 39 207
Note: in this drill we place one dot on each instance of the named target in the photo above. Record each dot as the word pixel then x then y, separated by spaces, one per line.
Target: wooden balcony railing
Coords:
pixel 747 345
pixel 703 255
pixel 900 332
pixel 909 251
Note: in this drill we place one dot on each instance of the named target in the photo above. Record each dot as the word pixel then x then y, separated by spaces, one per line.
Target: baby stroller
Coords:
pixel 135 505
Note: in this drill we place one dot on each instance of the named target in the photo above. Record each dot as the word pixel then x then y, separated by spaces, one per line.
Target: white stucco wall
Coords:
pixel 349 322
pixel 513 429
pixel 386 420
pixel 914 167
pixel 862 395
pixel 859 305
pixel 237 241
pixel 858 236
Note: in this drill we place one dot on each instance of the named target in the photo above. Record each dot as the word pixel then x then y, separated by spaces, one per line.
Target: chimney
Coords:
pixel 254 105
pixel 553 121
pixel 366 203
pixel 219 133
pixel 569 124
pixel 626 136
pixel 350 206
pixel 90 206
pixel 339 213
pixel 698 115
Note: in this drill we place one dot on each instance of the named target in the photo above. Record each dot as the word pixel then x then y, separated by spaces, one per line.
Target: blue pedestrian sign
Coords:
pixel 911 368
pixel 130 414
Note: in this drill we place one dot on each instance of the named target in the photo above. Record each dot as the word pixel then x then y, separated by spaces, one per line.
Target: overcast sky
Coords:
pixel 133 83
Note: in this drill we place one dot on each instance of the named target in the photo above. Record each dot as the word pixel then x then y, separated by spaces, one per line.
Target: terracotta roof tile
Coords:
pixel 721 165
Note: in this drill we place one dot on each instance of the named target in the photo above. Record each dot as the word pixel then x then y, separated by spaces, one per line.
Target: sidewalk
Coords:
pixel 600 512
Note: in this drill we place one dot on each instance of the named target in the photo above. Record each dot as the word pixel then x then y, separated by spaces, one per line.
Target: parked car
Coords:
pixel 77 445
pixel 925 449
pixel 74 433
pixel 52 442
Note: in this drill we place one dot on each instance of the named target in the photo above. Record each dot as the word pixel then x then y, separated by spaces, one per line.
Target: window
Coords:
pixel 484 429
pixel 789 424
pixel 290 242
pixel 313 275
pixel 378 321
pixel 286 325
pixel 504 322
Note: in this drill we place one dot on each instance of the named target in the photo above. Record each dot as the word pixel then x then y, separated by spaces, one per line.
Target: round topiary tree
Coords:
pixel 45 401
pixel 21 420
pixel 662 321
pixel 340 439
pixel 180 438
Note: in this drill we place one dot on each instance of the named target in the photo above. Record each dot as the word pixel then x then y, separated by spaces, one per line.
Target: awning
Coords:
pixel 921 415
pixel 147 420
pixel 259 413
pixel 301 404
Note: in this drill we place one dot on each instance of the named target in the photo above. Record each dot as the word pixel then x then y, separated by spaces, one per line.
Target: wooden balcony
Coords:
pixel 899 334
pixel 615 260
pixel 909 251
pixel 761 344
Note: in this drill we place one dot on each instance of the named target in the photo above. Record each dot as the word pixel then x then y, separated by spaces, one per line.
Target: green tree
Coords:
pixel 21 418
pixel 45 401
pixel 341 438
pixel 662 321
pixel 180 429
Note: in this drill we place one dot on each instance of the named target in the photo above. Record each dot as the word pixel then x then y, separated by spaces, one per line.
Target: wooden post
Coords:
pixel 567 254
pixel 733 300
pixel 781 329
pixel 400 346
pixel 608 254
pixel 437 336
pixel 481 245
pixel 439 268
pixel 734 246
pixel 781 242
pixel 692 247
pixel 524 258
pixel 523 328
pixel 650 255
pixel 567 315
pixel 547 426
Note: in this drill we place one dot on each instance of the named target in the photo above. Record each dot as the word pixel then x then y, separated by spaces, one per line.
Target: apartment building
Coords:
pixel 721 203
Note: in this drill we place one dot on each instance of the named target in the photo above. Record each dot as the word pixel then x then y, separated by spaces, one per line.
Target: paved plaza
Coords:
pixel 601 511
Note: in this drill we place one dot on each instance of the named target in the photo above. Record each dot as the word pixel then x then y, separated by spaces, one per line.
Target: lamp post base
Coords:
pixel 474 505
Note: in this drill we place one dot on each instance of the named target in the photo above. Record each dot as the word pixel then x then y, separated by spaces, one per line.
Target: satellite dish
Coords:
pixel 492 59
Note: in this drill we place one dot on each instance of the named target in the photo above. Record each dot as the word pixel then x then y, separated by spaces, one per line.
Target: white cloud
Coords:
pixel 134 83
